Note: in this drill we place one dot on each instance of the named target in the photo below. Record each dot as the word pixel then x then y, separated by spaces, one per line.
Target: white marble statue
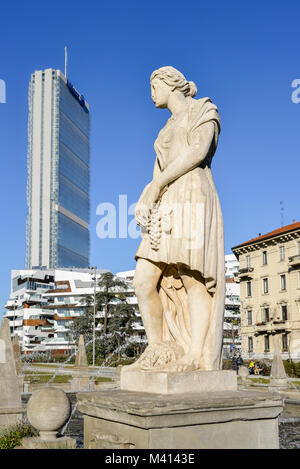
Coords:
pixel 179 279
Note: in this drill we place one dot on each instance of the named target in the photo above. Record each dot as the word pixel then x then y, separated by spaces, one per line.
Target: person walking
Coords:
pixel 239 362
pixel 234 363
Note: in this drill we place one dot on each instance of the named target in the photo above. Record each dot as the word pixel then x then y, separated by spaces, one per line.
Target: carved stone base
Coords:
pixel 278 383
pixel 162 382
pixel 124 420
pixel 81 383
pixel 64 442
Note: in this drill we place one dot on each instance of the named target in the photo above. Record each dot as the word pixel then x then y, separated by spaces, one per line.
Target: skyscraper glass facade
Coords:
pixel 58 174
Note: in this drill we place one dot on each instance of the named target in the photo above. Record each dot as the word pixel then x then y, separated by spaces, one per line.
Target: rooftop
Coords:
pixel 279 231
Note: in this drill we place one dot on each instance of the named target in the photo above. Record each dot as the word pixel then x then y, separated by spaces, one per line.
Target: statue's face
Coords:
pixel 160 93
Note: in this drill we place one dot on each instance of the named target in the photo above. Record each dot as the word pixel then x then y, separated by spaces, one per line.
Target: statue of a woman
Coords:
pixel 180 275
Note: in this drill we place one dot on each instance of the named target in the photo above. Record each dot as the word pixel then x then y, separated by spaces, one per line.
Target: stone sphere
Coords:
pixel 48 409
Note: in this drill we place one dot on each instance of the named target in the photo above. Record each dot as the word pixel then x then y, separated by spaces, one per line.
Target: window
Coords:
pixel 282 253
pixel 284 342
pixel 298 247
pixel 266 285
pixel 249 289
pixel 284 312
pixel 250 344
pixel 248 261
pixel 266 314
pixel 249 317
pixel 30 285
pixel 267 343
pixel 282 282
pixel 264 257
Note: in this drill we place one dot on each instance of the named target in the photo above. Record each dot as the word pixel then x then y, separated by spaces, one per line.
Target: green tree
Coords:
pixel 84 324
pixel 111 290
pixel 120 325
pixel 111 300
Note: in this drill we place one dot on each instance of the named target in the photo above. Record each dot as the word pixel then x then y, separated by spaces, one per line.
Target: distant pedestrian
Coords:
pixel 234 363
pixel 239 362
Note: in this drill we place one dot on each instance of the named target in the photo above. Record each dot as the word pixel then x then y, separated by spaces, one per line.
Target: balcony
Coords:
pixel 32 332
pixel 231 314
pixel 47 329
pixel 13 314
pixel 58 341
pixel 236 277
pixel 131 300
pixel 246 272
pixel 16 323
pixel 233 305
pixel 61 329
pixel 12 304
pixel 282 325
pixel 261 327
pixel 272 326
pixel 294 261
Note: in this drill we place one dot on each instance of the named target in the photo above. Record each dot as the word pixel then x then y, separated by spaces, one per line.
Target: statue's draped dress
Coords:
pixel 192 230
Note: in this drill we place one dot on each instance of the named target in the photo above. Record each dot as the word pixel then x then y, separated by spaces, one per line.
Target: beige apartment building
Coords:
pixel 269 277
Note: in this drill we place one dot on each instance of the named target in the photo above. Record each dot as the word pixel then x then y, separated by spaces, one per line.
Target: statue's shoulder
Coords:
pixel 201 106
pixel 201 111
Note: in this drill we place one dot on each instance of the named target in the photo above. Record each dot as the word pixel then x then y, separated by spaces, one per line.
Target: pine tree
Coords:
pixel 120 325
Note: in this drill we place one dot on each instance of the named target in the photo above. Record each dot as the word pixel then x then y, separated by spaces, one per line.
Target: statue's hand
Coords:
pixel 141 214
pixel 149 196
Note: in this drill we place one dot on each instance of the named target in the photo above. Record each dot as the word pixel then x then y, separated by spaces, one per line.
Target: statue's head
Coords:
pixel 166 80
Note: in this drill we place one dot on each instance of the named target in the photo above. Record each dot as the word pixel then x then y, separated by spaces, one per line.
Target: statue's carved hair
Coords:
pixel 176 80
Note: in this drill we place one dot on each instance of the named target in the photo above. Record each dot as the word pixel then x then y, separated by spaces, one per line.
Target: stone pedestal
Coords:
pixel 278 384
pixel 81 379
pixel 163 382
pixel 278 379
pixel 11 410
pixel 10 416
pixel 203 420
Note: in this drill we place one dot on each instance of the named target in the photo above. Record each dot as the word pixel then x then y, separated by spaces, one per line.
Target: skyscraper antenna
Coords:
pixel 282 213
pixel 66 61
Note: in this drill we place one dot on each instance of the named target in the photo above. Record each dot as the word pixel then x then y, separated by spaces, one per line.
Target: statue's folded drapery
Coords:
pixel 191 230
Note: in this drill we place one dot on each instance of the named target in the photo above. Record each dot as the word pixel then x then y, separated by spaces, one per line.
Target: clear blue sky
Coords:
pixel 244 55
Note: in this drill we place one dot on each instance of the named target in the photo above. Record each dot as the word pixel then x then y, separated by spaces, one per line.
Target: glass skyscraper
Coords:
pixel 57 231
